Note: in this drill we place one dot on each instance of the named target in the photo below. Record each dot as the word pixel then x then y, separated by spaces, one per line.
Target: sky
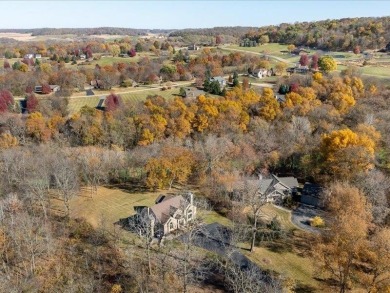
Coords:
pixel 179 14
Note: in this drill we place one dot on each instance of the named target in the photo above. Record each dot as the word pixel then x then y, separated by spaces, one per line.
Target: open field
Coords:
pixel 288 264
pixel 77 102
pixel 109 204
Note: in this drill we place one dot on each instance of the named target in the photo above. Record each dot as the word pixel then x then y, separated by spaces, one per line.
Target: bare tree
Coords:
pixel 375 186
pixel 253 195
pixel 65 179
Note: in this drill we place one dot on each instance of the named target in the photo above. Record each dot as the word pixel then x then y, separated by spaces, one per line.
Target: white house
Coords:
pixel 29 56
pixel 38 56
pixel 260 73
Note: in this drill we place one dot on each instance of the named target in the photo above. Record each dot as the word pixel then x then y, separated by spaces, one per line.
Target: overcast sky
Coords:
pixel 178 14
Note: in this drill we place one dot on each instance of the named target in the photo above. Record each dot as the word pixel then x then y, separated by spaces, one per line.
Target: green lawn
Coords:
pixel 77 102
pixel 288 264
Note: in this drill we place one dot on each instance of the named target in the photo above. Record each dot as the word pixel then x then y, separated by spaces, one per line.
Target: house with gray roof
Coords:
pixel 221 80
pixel 275 188
pixel 169 213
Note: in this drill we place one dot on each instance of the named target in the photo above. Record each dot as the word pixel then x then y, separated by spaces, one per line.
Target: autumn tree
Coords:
pixel 346 152
pixel 290 48
pixel 112 102
pixel 327 64
pixel 280 68
pixel 340 245
pixel 264 39
pixel 376 275
pixel 31 103
pixel 314 62
pixel 173 165
pixel 304 60
pixel 6 100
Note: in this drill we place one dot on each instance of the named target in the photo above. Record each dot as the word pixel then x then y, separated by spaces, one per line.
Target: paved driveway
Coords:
pixel 302 215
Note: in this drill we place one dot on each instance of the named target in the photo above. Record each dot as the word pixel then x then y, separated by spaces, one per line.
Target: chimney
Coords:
pixel 191 198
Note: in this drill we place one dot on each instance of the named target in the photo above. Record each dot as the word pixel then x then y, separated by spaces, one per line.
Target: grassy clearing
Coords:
pixel 109 204
pixel 288 264
pixel 77 102
pixel 269 211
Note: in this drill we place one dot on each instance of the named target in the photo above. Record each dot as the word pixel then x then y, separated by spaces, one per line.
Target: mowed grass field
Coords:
pixel 77 102
pixel 108 204
pixel 113 204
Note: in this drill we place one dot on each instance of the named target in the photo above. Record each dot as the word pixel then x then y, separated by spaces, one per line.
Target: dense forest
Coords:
pixel 336 35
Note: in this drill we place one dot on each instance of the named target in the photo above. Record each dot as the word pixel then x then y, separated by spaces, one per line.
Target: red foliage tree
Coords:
pixel 46 89
pixel 6 100
pixel 29 89
pixel 112 102
pixel 31 103
pixel 28 61
pixel 132 52
pixel 304 60
pixel 6 64
pixel 294 87
pixel 314 61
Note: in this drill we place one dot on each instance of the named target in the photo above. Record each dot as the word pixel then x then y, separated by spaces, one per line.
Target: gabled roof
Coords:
pixel 166 208
pixel 220 79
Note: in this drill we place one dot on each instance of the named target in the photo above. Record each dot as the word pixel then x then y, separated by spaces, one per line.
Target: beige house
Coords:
pixel 273 189
pixel 170 213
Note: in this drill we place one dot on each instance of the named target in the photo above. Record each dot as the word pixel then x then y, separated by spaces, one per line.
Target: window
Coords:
pixel 170 226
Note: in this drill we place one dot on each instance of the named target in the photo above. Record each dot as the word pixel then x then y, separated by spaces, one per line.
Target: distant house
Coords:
pixel 193 47
pixel 38 89
pixel 260 73
pixel 54 88
pixel 83 56
pixel 312 195
pixel 220 79
pixel 298 69
pixel 29 56
pixel 274 188
pixel 169 213
pixel 38 56
pixel 124 55
pixel 299 51
pixel 193 93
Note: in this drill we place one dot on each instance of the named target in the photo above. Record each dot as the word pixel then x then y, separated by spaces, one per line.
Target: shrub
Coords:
pixel 317 222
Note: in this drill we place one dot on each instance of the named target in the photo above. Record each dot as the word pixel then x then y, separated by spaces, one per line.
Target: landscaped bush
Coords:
pixel 317 222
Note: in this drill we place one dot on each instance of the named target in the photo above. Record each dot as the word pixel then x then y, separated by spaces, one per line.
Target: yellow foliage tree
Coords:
pixel 173 165
pixel 7 140
pixel 36 127
pixel 269 106
pixel 346 152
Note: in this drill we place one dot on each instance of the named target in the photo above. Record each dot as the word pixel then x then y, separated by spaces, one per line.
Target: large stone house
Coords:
pixel 169 214
pixel 274 189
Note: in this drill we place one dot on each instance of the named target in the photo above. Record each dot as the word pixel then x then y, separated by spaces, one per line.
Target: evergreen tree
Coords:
pixel 236 82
